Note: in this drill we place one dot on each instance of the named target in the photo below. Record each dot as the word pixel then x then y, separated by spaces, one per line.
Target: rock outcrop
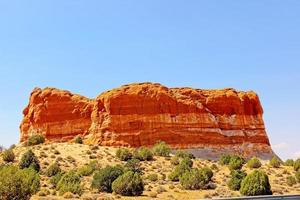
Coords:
pixel 206 122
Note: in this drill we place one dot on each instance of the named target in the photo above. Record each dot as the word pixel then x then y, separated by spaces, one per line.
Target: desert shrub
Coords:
pixel 298 175
pixel 275 162
pixel 297 164
pixel 254 163
pixel 183 154
pixel 87 169
pixel 236 179
pixel 52 170
pixel 78 140
pixel 175 160
pixel 18 184
pixel 161 149
pixel 291 180
pixel 256 183
pixel 128 184
pixel 196 178
pixel 236 162
pixel 224 159
pixel 143 153
pixel 123 154
pixel 29 160
pixel 103 178
pixel 56 178
pixel 35 139
pixel 185 165
pixel 152 177
pixel 12 146
pixel 8 155
pixel 289 162
pixel 133 165
pixel 70 182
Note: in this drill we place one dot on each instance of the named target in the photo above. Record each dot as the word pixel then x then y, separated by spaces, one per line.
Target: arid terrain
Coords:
pixel 71 156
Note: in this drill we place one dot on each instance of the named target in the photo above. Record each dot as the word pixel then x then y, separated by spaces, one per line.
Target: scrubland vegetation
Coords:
pixel 75 170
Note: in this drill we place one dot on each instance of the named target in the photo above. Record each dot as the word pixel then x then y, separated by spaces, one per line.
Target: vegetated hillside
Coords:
pixel 81 162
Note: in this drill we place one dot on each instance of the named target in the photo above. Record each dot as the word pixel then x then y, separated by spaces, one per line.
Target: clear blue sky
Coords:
pixel 91 46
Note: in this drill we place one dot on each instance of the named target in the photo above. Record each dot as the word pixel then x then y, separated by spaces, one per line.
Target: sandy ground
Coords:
pixel 75 155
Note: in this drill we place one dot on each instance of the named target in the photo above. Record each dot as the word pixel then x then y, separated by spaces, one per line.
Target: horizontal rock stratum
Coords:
pixel 206 122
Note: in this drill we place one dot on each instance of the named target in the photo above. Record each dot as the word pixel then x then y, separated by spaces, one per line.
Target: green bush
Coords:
pixel 254 163
pixel 35 140
pixel 8 155
pixel 185 165
pixel 298 175
pixel 52 170
pixel 183 154
pixel 87 169
pixel 236 162
pixel 236 179
pixel 128 184
pixel 133 165
pixel 297 164
pixel 123 154
pixel 78 140
pixel 152 177
pixel 291 180
pixel 143 153
pixel 70 182
pixel 275 162
pixel 18 184
pixel 224 159
pixel 256 183
pixel 161 149
pixel 29 160
pixel 102 179
pixel 56 178
pixel 289 162
pixel 195 178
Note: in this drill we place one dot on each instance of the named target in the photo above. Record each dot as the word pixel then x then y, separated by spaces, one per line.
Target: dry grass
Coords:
pixel 71 156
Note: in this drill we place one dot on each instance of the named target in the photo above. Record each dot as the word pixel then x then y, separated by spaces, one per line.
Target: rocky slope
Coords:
pixel 206 122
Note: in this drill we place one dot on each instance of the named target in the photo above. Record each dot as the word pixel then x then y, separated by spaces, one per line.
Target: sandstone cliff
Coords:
pixel 207 122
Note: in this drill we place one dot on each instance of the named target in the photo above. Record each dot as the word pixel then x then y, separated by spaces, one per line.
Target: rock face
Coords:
pixel 206 122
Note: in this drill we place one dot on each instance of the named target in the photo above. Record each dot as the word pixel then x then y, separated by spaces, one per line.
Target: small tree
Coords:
pixel 297 164
pixel 236 162
pixel 236 179
pixel 161 149
pixel 275 162
pixel 128 184
pixel 133 165
pixel 298 175
pixel 254 163
pixel 29 160
pixel 185 165
pixel 123 154
pixel 35 140
pixel 88 169
pixel 291 180
pixel 70 182
pixel 18 184
pixel 142 154
pixel 8 155
pixel 102 180
pixel 195 179
pixel 53 169
pixel 289 162
pixel 224 159
pixel 183 154
pixel 256 183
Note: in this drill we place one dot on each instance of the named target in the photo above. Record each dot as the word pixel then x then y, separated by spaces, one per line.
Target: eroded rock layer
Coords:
pixel 204 121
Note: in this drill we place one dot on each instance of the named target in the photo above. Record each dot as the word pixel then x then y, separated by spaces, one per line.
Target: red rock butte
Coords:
pixel 205 122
